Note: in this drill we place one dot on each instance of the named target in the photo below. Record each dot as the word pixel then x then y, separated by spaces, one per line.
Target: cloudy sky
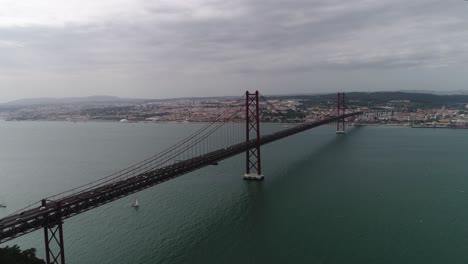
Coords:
pixel 172 48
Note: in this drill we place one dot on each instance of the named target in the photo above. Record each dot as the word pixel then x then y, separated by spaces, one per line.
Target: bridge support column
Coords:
pixel 253 168
pixel 53 237
pixel 341 108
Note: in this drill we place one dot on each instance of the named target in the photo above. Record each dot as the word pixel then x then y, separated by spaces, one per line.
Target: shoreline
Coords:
pixel 439 127
pixel 184 122
pixel 199 122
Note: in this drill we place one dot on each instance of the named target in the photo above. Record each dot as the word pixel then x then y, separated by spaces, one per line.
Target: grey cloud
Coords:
pixel 261 39
pixel 266 32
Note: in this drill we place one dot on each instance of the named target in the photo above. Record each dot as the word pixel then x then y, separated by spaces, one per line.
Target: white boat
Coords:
pixel 2 205
pixel 135 204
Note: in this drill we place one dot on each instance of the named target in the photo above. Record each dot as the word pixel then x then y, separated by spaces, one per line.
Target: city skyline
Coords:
pixel 169 49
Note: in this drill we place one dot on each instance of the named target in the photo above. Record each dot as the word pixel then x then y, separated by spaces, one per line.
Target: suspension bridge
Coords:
pixel 235 131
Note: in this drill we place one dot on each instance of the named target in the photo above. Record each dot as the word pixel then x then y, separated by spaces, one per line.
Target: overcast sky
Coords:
pixel 172 48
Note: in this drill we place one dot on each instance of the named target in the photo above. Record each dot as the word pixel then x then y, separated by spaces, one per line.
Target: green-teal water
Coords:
pixel 375 195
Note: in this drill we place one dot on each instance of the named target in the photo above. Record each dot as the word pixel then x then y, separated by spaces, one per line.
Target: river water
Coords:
pixel 375 195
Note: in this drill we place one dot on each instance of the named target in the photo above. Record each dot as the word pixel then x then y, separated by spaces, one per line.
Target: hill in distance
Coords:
pixel 417 97
pixel 70 100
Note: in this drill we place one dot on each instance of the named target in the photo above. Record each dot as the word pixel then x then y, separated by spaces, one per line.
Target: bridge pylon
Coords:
pixel 341 109
pixel 253 168
pixel 53 236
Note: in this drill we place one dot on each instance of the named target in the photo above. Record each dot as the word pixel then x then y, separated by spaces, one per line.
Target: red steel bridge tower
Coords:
pixel 53 236
pixel 253 168
pixel 341 109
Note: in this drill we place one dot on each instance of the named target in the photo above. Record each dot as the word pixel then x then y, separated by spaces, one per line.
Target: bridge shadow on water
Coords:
pixel 281 176
pixel 313 156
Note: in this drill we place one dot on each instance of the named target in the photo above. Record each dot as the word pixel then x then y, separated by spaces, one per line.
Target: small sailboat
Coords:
pixel 135 203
